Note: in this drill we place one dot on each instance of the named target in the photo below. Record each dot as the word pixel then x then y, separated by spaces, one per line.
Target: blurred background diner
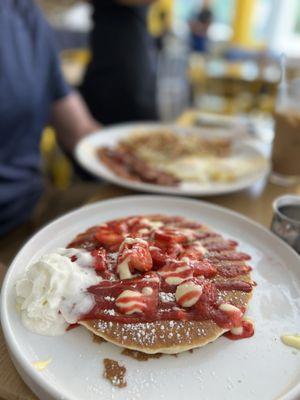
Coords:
pixel 167 60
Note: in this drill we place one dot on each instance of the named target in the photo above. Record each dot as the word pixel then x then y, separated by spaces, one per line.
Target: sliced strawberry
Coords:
pixel 206 234
pixel 235 285
pixel 159 257
pixel 137 226
pixel 169 236
pixel 168 219
pixel 138 256
pixel 221 245
pixel 99 259
pixel 189 225
pixel 233 270
pixel 192 253
pixel 203 268
pixel 209 293
pixel 118 226
pixel 228 256
pixel 207 299
pixel 134 224
pixel 174 250
pixel 194 250
pixel 107 237
pixel 85 240
pixel 93 229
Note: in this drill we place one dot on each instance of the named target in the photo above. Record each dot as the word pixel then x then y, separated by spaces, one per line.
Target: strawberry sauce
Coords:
pixel 143 259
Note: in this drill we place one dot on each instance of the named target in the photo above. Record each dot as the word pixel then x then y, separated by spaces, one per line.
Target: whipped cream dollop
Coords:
pixel 52 293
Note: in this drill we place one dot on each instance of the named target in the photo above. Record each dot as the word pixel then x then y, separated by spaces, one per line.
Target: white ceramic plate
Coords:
pixel 257 368
pixel 233 123
pixel 85 154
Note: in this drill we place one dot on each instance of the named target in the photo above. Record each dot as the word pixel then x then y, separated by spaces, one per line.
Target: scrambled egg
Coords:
pixel 211 168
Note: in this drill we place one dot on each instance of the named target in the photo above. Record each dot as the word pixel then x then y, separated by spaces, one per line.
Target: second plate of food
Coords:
pixel 169 159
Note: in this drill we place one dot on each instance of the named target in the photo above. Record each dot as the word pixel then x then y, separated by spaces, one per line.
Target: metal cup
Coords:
pixel 287 228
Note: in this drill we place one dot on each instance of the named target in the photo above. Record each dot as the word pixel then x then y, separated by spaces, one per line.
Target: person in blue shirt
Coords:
pixel 32 94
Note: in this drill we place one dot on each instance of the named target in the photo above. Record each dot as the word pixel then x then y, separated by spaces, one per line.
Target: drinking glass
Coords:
pixel 286 146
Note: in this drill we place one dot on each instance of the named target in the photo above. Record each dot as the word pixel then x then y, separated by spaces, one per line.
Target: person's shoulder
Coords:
pixel 28 10
pixel 22 7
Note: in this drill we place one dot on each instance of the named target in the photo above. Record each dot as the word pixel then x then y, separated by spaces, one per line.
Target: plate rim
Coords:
pixel 10 340
pixel 159 189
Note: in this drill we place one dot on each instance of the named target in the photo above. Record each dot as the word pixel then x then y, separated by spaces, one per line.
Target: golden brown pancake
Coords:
pixel 169 337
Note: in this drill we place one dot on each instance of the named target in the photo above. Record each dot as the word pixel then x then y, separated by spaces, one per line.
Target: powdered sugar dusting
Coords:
pixel 166 297
pixel 109 312
pixel 146 334
pixel 109 298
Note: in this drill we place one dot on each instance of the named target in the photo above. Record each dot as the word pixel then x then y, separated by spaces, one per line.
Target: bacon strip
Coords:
pixel 128 166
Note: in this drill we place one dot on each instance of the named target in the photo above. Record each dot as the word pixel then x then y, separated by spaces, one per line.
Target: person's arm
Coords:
pixel 71 120
pixel 68 113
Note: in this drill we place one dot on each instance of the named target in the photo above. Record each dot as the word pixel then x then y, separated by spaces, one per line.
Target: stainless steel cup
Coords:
pixel 286 227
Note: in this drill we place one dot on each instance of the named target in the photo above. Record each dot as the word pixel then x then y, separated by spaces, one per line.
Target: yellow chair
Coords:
pixel 56 167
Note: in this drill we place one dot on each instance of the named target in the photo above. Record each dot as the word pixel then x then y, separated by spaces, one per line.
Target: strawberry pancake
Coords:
pixel 166 284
